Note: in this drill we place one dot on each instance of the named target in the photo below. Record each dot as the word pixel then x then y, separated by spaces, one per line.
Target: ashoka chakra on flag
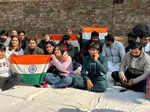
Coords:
pixel 31 68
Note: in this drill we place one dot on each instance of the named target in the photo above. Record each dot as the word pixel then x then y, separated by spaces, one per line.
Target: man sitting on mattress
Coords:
pixel 93 74
pixel 135 68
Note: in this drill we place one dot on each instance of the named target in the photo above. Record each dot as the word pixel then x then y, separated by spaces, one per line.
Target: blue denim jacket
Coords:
pixel 114 53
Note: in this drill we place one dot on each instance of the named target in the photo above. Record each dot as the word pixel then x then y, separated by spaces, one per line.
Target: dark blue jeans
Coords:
pixel 58 81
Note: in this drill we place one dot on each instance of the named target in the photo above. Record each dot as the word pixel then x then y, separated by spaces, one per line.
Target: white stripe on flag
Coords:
pixel 29 69
pixel 74 43
pixel 87 36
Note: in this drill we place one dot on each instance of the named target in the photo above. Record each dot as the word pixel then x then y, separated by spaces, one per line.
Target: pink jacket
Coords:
pixel 65 67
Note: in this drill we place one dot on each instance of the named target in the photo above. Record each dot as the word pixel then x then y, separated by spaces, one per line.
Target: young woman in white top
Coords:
pixel 14 47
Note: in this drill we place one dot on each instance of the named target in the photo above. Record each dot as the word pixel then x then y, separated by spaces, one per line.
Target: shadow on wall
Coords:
pixel 95 110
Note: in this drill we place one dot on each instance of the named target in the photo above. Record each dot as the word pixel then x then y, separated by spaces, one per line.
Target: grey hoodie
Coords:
pixel 141 65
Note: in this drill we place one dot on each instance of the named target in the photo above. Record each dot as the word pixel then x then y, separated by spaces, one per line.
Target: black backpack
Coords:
pixel 140 30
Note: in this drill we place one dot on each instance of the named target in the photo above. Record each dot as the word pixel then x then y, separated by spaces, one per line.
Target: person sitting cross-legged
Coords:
pixel 94 38
pixel 93 73
pixel 7 79
pixel 63 64
pixel 4 69
pixel 134 69
pixel 114 52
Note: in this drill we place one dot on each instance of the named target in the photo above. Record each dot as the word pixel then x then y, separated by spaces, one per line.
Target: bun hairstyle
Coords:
pixel 135 45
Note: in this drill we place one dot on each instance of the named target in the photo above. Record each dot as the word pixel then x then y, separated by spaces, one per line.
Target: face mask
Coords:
pixel 2 40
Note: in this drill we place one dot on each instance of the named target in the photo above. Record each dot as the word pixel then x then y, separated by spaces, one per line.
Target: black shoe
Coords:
pixel 37 86
pixel 123 90
pixel 10 82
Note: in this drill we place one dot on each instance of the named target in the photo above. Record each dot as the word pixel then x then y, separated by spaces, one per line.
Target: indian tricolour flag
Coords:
pixel 86 32
pixel 73 38
pixel 31 68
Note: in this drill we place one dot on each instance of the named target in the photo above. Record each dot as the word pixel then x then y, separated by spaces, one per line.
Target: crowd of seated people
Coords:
pixel 128 63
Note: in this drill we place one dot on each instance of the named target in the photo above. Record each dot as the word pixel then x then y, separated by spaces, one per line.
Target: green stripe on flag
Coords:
pixel 33 78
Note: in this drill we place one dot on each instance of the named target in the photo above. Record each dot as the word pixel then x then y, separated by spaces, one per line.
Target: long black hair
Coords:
pixel 60 48
pixel 10 44
pixel 51 43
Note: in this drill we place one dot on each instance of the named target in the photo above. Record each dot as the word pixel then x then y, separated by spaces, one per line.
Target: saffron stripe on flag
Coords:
pixel 97 29
pixel 56 37
pixel 30 59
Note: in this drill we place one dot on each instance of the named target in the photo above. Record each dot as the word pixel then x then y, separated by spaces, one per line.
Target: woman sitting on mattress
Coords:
pixel 63 63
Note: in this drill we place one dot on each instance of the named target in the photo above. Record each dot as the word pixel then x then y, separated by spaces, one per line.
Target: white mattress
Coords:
pixel 75 100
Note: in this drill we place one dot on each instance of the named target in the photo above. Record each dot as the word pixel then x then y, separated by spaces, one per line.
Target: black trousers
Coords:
pixel 139 87
pixel 2 81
